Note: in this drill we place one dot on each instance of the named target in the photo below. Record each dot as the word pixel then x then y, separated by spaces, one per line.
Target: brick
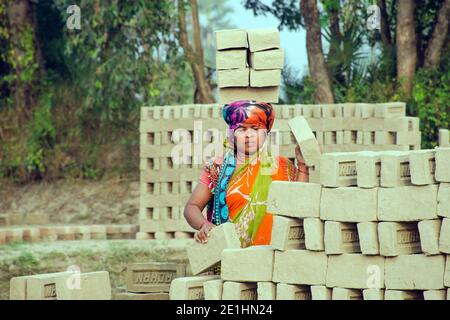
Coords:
pixel 321 293
pixel 233 77
pixel 338 169
pixel 314 229
pixel 307 197
pixel 82 233
pixel 267 290
pixel 368 137
pixel 300 267
pixel 368 238
pixel 385 137
pixel 250 264
pixel 348 204
pixel 144 236
pixel 444 138
pixel 267 59
pixel 14 235
pixel 36 287
pixel 98 232
pixel 390 110
pixel 213 289
pixel 346 294
pixel 189 288
pixel 398 238
pixel 31 234
pixel 36 218
pixel 4 220
pixel 48 233
pixel 152 277
pixel 263 39
pixel 142 296
pixel 205 255
pixel 442 158
pixel 364 110
pixel 84 286
pixel 2 237
pixel 368 168
pixel 229 39
pixel 447 271
pixel 306 139
pixel 183 235
pixel 266 94
pixel 409 138
pixel 353 271
pixel 287 233
pixel 415 272
pixel 373 294
pixel 410 203
pixel 443 199
pixel 429 236
pixel 434 294
pixel 265 78
pixel 403 295
pixel 239 291
pixel 444 236
pixel 231 59
pixel 164 235
pixel 293 292
pixel 341 238
pixel 395 169
pixel 422 167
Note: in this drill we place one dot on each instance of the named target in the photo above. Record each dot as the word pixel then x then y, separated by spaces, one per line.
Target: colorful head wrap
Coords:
pixel 249 112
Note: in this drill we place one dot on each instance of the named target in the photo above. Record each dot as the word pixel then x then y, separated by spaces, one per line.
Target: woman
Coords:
pixel 235 186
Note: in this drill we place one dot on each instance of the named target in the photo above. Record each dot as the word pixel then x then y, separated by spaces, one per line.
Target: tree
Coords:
pixel 194 54
pixel 439 36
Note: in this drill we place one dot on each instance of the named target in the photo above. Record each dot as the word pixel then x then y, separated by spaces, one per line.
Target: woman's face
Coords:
pixel 249 139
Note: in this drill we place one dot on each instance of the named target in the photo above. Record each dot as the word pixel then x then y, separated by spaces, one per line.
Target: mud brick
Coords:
pixel 330 137
pixel 144 236
pixel 340 137
pixel 373 294
pixel 293 292
pixel 98 232
pixel 338 110
pixel 159 235
pixel 287 233
pixel 390 110
pixel 265 78
pixel 385 137
pixel 189 288
pixel 314 234
pixel 4 220
pixel 429 236
pixel 16 218
pixel 300 267
pixel 408 138
pixel 239 291
pixel 349 204
pixel 48 233
pixel 395 169
pixel 338 169
pixel 314 175
pixel 2 237
pixel 410 203
pixel 360 137
pixel 36 218
pixel 319 137
pixel 82 233
pixel 233 38
pixel 349 137
pixel 447 271
pixel 403 295
pixel 444 137
pixel 444 236
pixel 36 287
pixel 231 59
pixel 142 296
pixel 267 94
pixel 152 277
pixel 233 77
pixel 306 195
pixel 435 294
pixel 349 110
pixel 398 238
pixel 252 264
pixel 443 206
pixel 368 137
pixel 205 255
pixel 321 293
pixel 14 235
pixel 341 238
pixel 183 235
pixel 31 234
pixel 352 270
pixel 442 158
pixel 422 167
pixel 113 232
pixel 267 59
pixel 84 286
pixel 306 139
pixel 266 290
pixel 415 272
pixel 346 294
pixel 364 110
pixel 213 289
pixel 368 168
pixel 368 238
pixel 263 39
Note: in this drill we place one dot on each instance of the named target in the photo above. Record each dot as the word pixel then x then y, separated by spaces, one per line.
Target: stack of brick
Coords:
pixel 62 286
pixel 249 64
pixel 167 184
pixel 376 227
pixel 40 233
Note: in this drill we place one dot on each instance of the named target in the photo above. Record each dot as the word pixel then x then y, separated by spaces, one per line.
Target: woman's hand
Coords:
pixel 201 236
pixel 299 156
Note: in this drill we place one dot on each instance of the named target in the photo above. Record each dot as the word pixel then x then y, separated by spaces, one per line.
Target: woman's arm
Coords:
pixel 193 212
pixel 303 171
